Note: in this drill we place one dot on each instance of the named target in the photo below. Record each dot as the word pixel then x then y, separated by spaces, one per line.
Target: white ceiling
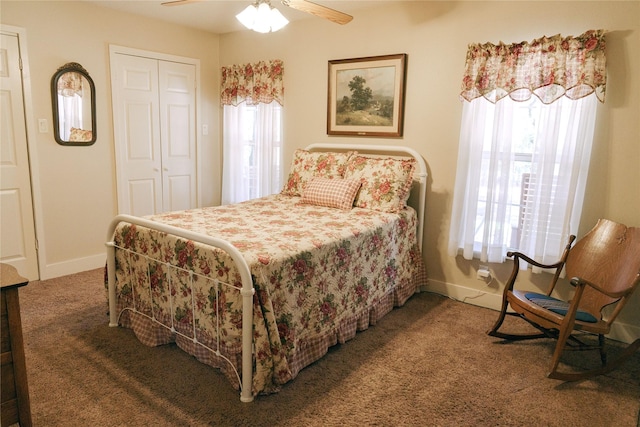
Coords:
pixel 218 16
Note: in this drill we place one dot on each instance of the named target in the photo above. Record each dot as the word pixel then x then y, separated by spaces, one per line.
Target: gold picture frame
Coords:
pixel 366 96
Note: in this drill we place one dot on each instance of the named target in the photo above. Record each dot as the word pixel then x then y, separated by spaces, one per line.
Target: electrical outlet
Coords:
pixel 483 273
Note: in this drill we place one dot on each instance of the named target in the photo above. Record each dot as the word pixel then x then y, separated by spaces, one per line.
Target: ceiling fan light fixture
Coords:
pixel 261 17
pixel 262 24
pixel 248 16
pixel 278 21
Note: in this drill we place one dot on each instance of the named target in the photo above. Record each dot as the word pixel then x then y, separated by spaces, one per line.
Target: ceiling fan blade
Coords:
pixel 319 10
pixel 178 2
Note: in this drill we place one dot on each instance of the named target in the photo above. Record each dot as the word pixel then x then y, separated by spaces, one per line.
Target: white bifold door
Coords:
pixel 154 110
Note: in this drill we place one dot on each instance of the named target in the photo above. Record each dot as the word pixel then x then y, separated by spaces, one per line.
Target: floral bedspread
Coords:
pixel 320 275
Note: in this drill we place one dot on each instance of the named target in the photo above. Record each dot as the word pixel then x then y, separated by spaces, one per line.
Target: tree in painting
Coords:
pixel 360 94
pixel 364 106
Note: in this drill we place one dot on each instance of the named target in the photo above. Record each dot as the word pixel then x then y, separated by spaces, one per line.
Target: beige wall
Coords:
pixel 435 36
pixel 76 185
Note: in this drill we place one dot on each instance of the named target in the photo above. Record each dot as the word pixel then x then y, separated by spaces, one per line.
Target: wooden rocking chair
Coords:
pixel 604 268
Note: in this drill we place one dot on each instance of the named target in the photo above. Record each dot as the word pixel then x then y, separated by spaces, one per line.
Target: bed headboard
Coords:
pixel 418 191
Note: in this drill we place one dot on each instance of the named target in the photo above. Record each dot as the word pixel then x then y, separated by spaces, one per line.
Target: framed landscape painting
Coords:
pixel 366 96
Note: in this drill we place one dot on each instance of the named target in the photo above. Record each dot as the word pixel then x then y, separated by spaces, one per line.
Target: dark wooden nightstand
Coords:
pixel 14 392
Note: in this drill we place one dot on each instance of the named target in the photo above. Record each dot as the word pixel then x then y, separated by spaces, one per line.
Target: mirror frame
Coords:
pixel 76 68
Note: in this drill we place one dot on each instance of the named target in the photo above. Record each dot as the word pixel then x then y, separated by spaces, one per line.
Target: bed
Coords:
pixel 263 288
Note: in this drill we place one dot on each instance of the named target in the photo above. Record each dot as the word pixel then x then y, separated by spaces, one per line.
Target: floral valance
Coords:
pixel 253 83
pixel 548 67
pixel 70 84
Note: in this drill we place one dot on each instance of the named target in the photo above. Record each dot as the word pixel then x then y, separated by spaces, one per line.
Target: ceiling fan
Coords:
pixel 301 5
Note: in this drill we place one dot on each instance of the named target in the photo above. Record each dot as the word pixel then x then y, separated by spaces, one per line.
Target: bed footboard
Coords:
pixel 247 290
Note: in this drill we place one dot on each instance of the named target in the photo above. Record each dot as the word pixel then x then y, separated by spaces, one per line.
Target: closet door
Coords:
pixel 177 130
pixel 137 135
pixel 18 237
pixel 154 104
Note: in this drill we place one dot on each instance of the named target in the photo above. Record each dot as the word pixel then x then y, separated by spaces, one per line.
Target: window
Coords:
pixel 525 117
pixel 255 151
pixel 525 143
pixel 252 165
pixel 252 96
pixel 521 176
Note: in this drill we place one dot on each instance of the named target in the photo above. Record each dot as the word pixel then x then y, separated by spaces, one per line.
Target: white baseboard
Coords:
pixel 51 271
pixel 624 332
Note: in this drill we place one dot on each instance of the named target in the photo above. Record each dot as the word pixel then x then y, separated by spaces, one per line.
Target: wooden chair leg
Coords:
pixel 513 337
pixel 563 335
pixel 603 351
pixel 503 312
pixel 505 301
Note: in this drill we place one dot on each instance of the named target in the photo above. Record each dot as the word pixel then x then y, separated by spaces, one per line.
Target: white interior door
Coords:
pixel 178 130
pixel 154 103
pixel 17 229
pixel 137 134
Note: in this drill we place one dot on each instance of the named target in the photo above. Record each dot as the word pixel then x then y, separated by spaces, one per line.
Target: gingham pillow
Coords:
pixel 386 183
pixel 332 193
pixel 307 164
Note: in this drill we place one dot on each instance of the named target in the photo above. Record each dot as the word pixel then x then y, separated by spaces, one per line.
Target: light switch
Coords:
pixel 43 126
pixel 205 129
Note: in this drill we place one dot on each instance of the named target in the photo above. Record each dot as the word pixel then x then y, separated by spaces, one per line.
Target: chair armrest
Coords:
pixel 557 265
pixel 577 281
pixel 517 255
pixel 516 267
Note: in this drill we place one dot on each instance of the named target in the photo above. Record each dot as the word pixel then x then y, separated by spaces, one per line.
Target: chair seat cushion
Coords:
pixel 558 306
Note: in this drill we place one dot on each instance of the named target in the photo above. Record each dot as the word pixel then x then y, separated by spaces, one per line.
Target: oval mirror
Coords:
pixel 74 105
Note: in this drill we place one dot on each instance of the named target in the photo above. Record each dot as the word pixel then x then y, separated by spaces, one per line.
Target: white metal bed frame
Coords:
pixel 247 291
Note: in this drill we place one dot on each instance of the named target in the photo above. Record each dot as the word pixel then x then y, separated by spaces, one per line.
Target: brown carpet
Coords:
pixel 428 363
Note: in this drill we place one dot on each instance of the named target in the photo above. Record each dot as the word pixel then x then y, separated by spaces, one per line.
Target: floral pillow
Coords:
pixel 307 164
pixel 331 192
pixel 386 183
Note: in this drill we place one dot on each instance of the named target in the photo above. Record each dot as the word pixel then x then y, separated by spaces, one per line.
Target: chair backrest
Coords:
pixel 609 256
